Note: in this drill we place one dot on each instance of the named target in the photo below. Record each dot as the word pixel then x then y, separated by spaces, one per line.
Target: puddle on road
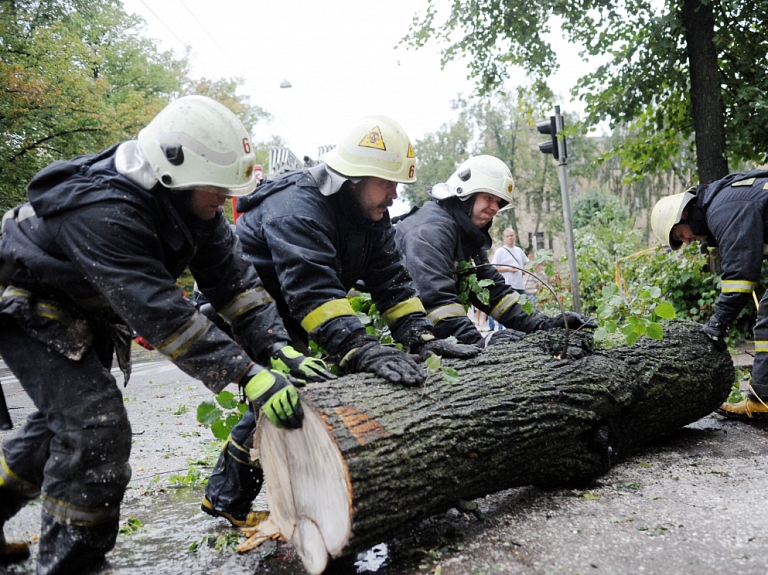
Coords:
pixel 371 561
pixel 171 522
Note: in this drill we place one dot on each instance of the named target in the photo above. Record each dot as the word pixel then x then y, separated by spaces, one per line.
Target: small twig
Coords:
pixel 554 294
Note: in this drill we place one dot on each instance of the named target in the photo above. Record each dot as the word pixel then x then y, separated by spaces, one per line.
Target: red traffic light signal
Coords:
pixel 549 127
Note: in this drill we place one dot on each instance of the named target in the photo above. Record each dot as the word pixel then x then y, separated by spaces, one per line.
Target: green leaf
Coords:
pixel 600 334
pixel 632 338
pixel 227 400
pixel 665 310
pixel 207 413
pixel 433 362
pixel 655 331
pixel 450 375
pixel 220 430
pixel 528 307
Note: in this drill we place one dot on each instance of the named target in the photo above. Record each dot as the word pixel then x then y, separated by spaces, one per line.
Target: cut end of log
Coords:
pixel 308 488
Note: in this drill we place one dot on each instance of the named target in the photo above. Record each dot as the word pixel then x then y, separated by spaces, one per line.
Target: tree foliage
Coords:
pixel 77 76
pixel 662 65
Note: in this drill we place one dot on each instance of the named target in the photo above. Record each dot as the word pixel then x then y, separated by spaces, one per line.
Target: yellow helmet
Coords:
pixel 196 141
pixel 666 214
pixel 375 146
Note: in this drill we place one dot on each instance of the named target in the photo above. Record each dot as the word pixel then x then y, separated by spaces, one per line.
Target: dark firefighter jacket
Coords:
pixel 434 239
pixel 735 219
pixel 309 249
pixel 91 249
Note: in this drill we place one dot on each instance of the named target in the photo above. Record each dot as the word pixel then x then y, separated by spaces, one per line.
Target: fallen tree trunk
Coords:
pixel 374 458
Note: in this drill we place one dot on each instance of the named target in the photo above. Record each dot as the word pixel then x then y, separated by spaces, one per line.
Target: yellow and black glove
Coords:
pixel 275 394
pixel 286 359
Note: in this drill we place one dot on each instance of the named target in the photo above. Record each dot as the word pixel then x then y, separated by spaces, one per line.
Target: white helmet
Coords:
pixel 196 141
pixel 666 214
pixel 375 146
pixel 478 174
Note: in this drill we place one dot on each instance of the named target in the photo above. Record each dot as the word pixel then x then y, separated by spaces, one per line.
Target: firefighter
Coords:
pixel 730 214
pixel 453 227
pixel 92 258
pixel 312 235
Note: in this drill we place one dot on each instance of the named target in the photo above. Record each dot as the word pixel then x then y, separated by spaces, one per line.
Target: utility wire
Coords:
pixel 204 29
pixel 231 60
pixel 163 23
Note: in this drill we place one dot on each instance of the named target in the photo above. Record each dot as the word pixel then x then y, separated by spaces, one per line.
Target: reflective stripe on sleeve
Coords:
pixel 329 310
pixel 13 482
pixel 444 312
pixel 407 307
pixel 76 515
pixel 765 246
pixel 738 286
pixel 181 340
pixel 761 346
pixel 503 306
pixel 244 302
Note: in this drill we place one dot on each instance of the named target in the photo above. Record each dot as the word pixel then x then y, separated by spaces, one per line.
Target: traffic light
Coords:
pixel 549 127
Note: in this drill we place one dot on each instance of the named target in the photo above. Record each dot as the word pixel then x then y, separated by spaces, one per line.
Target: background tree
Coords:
pixel 678 73
pixel 76 77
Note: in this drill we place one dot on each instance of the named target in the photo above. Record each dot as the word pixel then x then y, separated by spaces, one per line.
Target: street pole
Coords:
pixel 562 169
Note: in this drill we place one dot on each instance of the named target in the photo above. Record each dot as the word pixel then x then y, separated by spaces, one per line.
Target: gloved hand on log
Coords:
pixel 575 321
pixel 286 359
pixel 275 394
pixel 387 362
pixel 715 329
pixel 427 344
pixel 503 336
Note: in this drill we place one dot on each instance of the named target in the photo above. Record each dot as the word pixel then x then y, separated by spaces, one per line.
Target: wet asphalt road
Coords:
pixel 692 503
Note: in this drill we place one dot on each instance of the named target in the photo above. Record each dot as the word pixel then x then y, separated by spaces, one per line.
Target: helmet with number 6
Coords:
pixel 375 146
pixel 478 174
pixel 196 141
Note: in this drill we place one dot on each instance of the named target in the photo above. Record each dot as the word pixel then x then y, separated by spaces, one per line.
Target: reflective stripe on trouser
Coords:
pixel 760 365
pixel 77 444
pixel 236 480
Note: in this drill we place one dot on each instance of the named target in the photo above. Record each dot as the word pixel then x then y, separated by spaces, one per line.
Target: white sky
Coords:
pixel 340 56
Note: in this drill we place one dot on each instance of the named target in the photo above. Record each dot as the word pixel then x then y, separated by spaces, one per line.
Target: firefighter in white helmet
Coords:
pixel 312 235
pixel 93 257
pixel 730 214
pixel 454 227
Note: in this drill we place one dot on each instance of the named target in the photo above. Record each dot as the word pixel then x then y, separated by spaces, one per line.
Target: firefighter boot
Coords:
pixel 10 504
pixel 750 408
pixel 66 548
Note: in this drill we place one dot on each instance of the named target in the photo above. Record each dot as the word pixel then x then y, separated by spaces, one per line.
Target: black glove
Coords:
pixel 715 329
pixel 575 321
pixel 503 336
pixel 392 364
pixel 444 349
pixel 286 359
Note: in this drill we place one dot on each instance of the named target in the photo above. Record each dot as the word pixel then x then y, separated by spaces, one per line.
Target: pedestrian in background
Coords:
pixel 509 259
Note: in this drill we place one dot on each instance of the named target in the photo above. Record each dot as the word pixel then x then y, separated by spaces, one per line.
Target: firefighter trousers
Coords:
pixel 73 450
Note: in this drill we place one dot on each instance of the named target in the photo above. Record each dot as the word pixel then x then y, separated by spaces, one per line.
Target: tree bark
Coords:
pixel 706 96
pixel 374 458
